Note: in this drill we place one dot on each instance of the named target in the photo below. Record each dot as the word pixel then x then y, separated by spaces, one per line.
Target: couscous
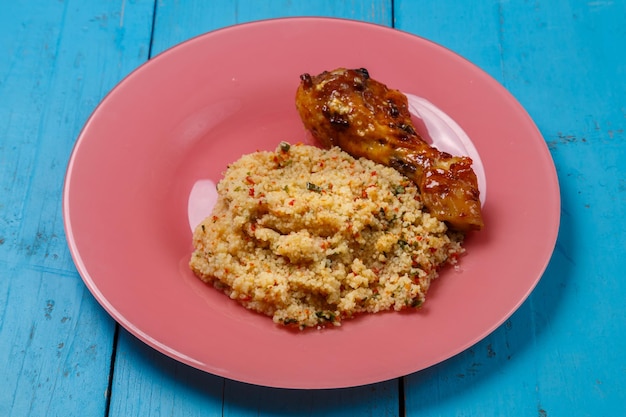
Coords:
pixel 310 236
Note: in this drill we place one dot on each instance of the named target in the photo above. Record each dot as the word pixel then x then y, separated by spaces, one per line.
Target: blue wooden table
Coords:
pixel 563 353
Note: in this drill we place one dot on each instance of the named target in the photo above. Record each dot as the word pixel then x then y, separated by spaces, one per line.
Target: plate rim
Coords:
pixel 181 357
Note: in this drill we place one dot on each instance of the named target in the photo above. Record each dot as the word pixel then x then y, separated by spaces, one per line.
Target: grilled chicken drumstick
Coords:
pixel 348 109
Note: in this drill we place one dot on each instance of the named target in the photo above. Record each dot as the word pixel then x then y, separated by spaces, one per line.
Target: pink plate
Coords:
pixel 187 113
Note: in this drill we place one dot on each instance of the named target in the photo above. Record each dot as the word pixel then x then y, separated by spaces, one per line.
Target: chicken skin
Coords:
pixel 348 109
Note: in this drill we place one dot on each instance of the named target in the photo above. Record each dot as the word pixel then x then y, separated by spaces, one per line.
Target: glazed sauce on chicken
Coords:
pixel 349 109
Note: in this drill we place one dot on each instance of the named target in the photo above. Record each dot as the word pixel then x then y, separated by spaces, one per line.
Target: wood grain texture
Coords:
pixel 57 60
pixel 55 346
pixel 561 353
pixel 563 61
pixel 178 21
pixel 167 387
pixel 163 386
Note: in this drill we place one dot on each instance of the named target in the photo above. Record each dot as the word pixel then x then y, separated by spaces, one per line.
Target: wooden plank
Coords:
pixel 179 21
pixel 170 388
pixel 55 346
pixel 164 386
pixel 576 96
pixel 469 29
pixel 371 400
pixel 551 357
pixel 58 59
pixel 48 91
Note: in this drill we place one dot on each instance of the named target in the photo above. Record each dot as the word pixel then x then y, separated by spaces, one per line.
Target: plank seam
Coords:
pixel 154 13
pixel 401 399
pixel 107 405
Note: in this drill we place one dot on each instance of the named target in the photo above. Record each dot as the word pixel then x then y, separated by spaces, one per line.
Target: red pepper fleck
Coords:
pixel 292 202
pixel 249 180
pixel 251 192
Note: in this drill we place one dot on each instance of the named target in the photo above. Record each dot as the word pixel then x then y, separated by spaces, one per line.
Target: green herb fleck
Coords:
pixel 284 146
pixel 417 303
pixel 398 189
pixel 325 315
pixel 312 187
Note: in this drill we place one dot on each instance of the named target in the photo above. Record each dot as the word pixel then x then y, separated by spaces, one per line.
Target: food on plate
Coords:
pixel 312 236
pixel 349 109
